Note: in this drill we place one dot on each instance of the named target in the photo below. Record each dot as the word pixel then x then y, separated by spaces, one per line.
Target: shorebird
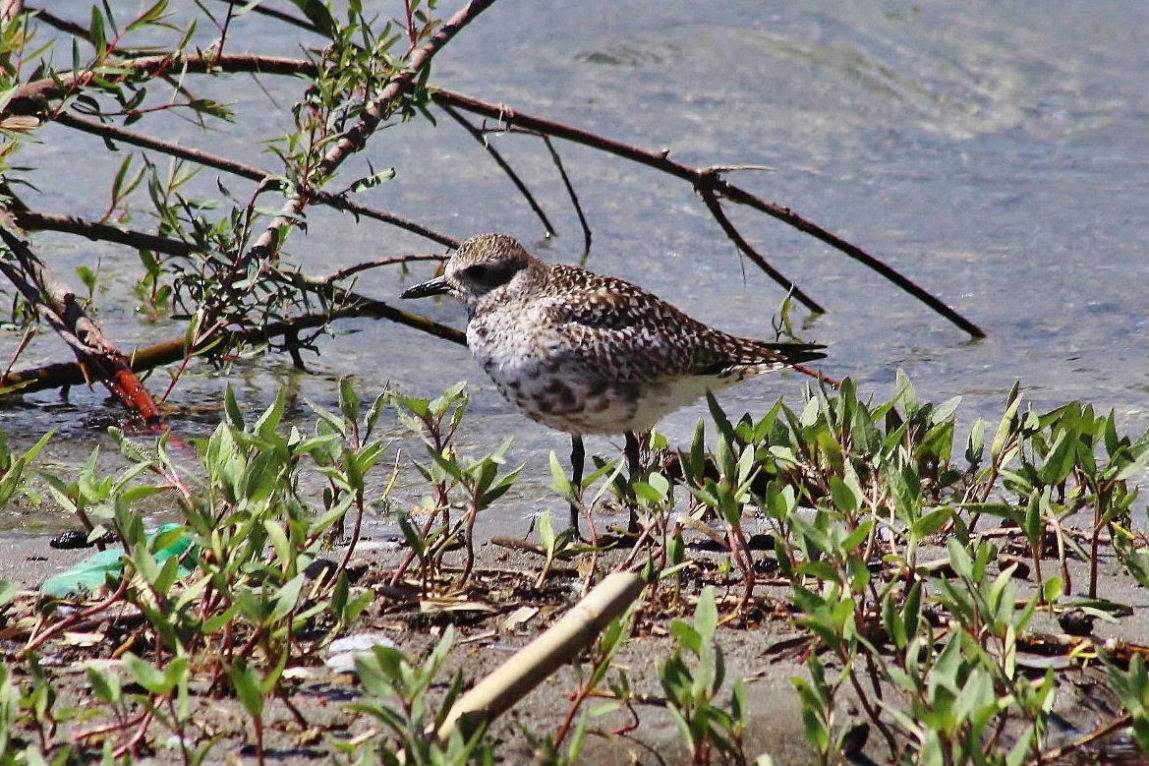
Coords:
pixel 590 354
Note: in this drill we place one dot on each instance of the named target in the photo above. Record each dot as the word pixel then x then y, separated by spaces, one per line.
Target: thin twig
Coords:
pixel 23 344
pixel 734 168
pixel 747 249
pixel 75 618
pixel 558 160
pixel 378 263
pixel 479 136
pixel 250 172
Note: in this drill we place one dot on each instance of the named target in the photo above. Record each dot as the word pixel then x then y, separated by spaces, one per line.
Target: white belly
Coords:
pixel 536 372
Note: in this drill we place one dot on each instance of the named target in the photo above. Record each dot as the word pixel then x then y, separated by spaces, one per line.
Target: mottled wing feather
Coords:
pixel 609 323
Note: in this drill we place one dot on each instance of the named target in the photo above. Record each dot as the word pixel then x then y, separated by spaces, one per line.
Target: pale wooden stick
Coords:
pixel 513 679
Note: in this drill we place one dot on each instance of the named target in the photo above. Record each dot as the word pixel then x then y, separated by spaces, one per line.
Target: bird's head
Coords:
pixel 482 266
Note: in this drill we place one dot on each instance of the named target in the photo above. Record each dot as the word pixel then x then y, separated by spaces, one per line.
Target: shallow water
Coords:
pixel 996 155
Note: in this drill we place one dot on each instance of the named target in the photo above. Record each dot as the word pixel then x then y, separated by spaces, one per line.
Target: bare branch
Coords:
pixel 32 221
pixel 558 160
pixel 479 136
pixel 736 237
pixel 365 265
pixel 700 179
pixel 200 157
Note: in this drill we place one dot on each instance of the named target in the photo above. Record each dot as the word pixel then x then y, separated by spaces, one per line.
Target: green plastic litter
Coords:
pixel 95 571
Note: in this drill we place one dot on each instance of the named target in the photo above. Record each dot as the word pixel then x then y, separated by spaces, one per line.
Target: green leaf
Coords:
pixel 318 14
pixel 561 484
pixel 245 680
pixel 96 32
pixel 847 498
pixel 147 675
pixel 706 614
pixel 287 597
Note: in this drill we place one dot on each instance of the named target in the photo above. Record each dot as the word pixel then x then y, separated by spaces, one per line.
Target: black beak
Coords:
pixel 436 286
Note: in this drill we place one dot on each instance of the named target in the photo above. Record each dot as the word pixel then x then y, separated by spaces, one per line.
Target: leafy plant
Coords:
pixel 692 678
pixel 399 699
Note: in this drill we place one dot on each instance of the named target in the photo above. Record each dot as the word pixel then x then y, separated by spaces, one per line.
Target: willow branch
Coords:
pixel 700 178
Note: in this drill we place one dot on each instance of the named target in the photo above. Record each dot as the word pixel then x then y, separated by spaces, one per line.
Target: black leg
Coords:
pixel 578 454
pixel 632 454
pixel 633 467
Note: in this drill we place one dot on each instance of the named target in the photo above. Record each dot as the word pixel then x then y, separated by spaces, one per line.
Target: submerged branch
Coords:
pixel 168 352
pixel 58 308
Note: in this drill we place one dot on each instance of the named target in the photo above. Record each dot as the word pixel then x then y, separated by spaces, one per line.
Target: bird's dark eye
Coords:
pixel 489 275
pixel 478 272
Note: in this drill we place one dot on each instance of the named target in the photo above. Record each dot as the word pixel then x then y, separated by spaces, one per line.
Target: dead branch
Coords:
pixel 58 307
pixel 558 161
pixel 168 352
pixel 736 237
pixel 350 271
pixel 700 178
